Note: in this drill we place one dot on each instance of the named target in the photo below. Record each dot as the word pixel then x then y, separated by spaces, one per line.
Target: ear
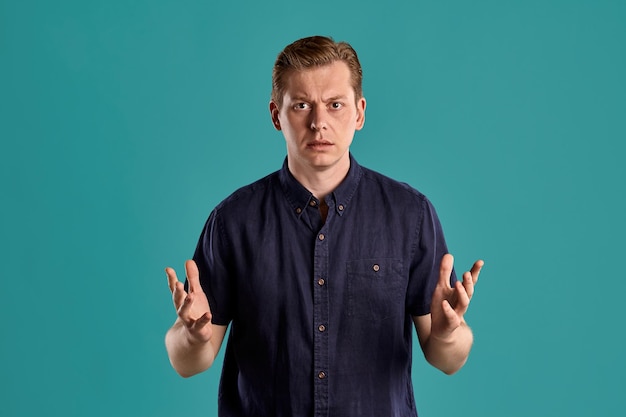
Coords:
pixel 360 113
pixel 274 111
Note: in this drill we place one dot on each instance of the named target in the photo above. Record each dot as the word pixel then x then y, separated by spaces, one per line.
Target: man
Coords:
pixel 321 269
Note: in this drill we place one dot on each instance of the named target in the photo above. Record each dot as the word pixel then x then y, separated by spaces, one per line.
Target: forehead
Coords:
pixel 334 79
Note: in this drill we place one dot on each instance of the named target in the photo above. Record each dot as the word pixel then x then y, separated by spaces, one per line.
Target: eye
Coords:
pixel 336 105
pixel 301 106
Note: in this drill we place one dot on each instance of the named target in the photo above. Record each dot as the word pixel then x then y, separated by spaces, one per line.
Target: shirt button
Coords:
pixel 340 207
pixel 321 236
pixel 321 375
pixel 321 328
pixel 321 282
pixel 312 203
pixel 376 268
pixel 298 210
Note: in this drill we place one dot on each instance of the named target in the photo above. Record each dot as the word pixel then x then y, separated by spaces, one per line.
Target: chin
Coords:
pixel 324 161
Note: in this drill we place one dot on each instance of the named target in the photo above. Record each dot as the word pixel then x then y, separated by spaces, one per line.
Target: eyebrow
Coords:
pixel 339 97
pixel 304 97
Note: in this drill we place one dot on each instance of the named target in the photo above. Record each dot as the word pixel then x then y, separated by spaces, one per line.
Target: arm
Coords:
pixel 193 342
pixel 444 336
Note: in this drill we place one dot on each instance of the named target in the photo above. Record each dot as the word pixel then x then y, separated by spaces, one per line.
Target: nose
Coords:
pixel 318 119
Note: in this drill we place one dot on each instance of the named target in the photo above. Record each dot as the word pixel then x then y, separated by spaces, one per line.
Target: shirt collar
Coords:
pixel 299 197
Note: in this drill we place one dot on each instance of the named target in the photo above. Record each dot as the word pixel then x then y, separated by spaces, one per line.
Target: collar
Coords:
pixel 339 200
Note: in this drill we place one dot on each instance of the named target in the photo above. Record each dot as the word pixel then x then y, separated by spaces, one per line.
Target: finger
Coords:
pixel 452 317
pixel 468 283
pixel 478 265
pixel 445 270
pixel 185 309
pixel 172 279
pixel 462 299
pixel 193 276
pixel 201 329
pixel 179 295
pixel 202 321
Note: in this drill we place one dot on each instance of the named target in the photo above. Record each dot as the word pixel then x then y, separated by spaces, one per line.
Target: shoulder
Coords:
pixel 375 182
pixel 249 195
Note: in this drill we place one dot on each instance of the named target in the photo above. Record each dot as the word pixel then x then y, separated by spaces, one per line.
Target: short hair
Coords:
pixel 314 51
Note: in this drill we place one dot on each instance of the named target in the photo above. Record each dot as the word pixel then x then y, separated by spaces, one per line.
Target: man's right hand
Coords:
pixel 192 307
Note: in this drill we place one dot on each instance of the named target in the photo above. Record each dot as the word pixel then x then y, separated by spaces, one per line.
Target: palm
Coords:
pixel 200 305
pixel 449 304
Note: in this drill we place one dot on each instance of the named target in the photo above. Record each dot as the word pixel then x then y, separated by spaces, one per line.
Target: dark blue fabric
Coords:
pixel 320 313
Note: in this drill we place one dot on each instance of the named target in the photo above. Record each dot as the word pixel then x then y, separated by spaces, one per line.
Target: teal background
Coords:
pixel 123 123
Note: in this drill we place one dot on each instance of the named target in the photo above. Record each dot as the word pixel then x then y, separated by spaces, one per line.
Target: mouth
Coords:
pixel 319 145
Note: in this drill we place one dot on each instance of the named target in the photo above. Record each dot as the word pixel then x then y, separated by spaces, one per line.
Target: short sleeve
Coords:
pixel 429 248
pixel 211 257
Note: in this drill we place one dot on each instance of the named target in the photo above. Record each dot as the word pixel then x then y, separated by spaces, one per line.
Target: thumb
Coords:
pixel 452 317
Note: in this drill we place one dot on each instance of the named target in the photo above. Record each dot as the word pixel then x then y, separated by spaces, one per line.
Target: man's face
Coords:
pixel 318 118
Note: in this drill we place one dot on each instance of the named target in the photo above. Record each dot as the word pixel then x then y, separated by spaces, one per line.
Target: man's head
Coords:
pixel 318 104
pixel 312 52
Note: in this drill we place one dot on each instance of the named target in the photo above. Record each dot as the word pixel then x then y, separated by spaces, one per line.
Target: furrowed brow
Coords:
pixel 336 98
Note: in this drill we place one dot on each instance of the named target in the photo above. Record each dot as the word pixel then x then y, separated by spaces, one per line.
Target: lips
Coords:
pixel 319 144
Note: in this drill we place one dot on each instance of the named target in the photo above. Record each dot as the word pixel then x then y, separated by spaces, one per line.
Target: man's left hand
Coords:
pixel 449 304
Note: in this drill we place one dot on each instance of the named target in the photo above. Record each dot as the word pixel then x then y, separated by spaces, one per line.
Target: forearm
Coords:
pixel 188 358
pixel 449 354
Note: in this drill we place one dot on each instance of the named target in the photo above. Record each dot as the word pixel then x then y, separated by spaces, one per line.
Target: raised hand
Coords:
pixel 192 307
pixel 449 304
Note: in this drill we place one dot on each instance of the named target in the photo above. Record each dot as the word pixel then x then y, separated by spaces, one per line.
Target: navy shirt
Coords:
pixel 320 313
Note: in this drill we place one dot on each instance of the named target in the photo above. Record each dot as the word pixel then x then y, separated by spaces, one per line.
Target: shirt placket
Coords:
pixel 321 372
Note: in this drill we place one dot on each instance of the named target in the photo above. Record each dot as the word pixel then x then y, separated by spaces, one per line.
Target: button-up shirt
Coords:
pixel 320 312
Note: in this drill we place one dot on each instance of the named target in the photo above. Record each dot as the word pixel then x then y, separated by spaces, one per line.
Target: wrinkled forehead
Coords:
pixel 333 79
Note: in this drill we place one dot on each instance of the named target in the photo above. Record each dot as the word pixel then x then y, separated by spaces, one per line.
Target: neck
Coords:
pixel 320 181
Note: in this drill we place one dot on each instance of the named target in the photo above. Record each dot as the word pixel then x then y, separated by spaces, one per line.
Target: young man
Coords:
pixel 321 269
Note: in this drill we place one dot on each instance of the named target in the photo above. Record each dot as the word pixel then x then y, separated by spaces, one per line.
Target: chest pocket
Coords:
pixel 376 289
